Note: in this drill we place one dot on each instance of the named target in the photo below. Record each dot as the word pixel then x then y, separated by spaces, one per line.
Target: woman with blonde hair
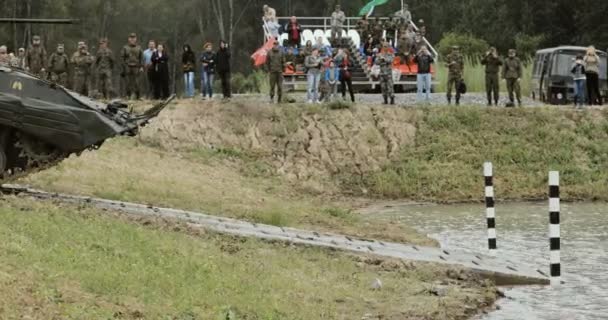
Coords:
pixel 592 73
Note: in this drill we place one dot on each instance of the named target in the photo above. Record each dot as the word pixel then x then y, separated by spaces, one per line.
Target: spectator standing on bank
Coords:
pixel 294 32
pixel 404 16
pixel 592 72
pixel 223 68
pixel 512 72
pixel 337 23
pixel 208 61
pixel 346 76
pixel 20 61
pixel 493 63
pixel 332 77
pixel 313 64
pixel 425 60
pixel 148 68
pixel 189 69
pixel 160 64
pixel 275 63
pixel 455 65
pixel 578 73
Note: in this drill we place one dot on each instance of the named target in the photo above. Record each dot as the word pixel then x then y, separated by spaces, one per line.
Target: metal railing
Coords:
pixel 324 23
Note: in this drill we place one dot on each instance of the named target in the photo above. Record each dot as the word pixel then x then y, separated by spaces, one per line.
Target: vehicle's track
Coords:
pixel 502 271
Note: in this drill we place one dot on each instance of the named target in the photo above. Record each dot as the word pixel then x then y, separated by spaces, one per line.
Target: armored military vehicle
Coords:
pixel 42 123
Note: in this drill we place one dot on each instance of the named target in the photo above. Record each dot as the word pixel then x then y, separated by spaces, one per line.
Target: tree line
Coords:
pixel 498 22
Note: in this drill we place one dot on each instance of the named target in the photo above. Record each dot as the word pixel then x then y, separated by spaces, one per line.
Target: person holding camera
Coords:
pixel 493 63
pixel 385 61
pixel 313 64
pixel 424 60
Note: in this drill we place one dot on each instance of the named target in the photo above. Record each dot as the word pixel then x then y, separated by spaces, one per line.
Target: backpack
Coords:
pixel 462 87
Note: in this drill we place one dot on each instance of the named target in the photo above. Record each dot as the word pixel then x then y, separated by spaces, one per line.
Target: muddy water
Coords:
pixel 523 237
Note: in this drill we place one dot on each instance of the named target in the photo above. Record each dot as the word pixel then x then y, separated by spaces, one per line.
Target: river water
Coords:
pixel 523 237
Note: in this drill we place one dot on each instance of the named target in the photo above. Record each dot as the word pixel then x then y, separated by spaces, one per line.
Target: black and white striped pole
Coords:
pixel 490 210
pixel 554 228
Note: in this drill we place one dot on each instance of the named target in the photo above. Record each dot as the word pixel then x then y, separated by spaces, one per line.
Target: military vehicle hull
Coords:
pixel 42 123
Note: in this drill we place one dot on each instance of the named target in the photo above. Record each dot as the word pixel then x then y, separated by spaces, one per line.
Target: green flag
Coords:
pixel 370 6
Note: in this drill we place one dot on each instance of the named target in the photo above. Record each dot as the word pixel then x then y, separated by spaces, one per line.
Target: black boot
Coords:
pixel 392 100
pixel 449 100
pixel 385 100
pixel 457 101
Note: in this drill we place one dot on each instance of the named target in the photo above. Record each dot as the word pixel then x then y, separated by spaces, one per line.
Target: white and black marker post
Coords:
pixel 554 227
pixel 490 210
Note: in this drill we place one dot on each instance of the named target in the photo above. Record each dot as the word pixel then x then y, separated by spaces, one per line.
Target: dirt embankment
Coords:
pixel 307 144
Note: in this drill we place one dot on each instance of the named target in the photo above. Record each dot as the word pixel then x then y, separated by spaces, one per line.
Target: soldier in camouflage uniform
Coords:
pixel 132 67
pixel 59 66
pixel 492 62
pixel 512 72
pixel 275 64
pixel 391 27
pixel 455 65
pixel 35 58
pixel 377 31
pixel 82 62
pixel 385 61
pixel 363 28
pixel 104 63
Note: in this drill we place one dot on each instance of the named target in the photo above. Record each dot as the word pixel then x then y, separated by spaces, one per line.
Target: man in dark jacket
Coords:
pixel 208 61
pixel 424 59
pixel 223 68
pixel 492 62
pixel 275 62
pixel 512 72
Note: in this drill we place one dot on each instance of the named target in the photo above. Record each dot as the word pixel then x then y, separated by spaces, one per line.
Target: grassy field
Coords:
pixel 62 262
pixel 445 163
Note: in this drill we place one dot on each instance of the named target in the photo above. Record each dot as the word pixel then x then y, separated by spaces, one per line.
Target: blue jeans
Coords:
pixel 579 91
pixel 424 82
pixel 189 84
pixel 207 84
pixel 313 86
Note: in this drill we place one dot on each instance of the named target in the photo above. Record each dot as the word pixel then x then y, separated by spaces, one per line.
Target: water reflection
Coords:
pixel 523 237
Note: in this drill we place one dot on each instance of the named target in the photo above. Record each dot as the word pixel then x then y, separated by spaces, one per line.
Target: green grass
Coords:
pixel 445 164
pixel 475 78
pixel 75 263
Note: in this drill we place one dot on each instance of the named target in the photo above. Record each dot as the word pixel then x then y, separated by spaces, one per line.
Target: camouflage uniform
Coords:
pixel 35 60
pixel 275 62
pixel 59 65
pixel 455 64
pixel 385 61
pixel 378 30
pixel 132 57
pixel 104 64
pixel 512 72
pixel 82 62
pixel 391 27
pixel 363 29
pixel 492 62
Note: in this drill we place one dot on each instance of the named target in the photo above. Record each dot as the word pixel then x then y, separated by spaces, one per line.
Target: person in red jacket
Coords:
pixel 294 32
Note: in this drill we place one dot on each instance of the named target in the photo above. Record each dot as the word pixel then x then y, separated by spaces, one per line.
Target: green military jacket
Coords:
pixel 492 64
pixel 132 56
pixel 385 61
pixel 59 63
pixel 275 61
pixel 82 63
pixel 455 64
pixel 512 68
pixel 104 59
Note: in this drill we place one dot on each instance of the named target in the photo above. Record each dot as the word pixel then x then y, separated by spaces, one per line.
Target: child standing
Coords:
pixel 332 78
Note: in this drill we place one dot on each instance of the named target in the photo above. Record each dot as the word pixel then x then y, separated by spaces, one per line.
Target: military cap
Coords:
pixel 36 37
pixel 133 35
pixel 81 44
pixel 103 40
pixel 512 51
pixel 60 45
